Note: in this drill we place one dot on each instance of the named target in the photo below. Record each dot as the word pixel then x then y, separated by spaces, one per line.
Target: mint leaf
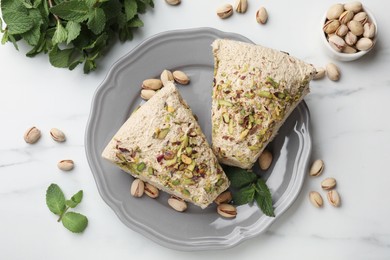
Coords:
pixel 135 22
pixel 60 58
pixel 60 35
pixel 17 22
pixel 55 199
pixel 33 35
pixel 75 222
pixel 96 21
pixel 130 9
pixel 73 29
pixel 244 195
pixel 75 200
pixel 71 10
pixel 263 198
pixel 239 177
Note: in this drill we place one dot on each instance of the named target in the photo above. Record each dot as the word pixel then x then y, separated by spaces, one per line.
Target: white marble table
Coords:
pixel 350 126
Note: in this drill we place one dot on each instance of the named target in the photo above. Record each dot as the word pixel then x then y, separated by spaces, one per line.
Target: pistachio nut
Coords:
pixel 336 42
pixel 349 49
pixel 350 39
pixel 331 26
pixel 316 199
pixel 173 2
pixel 364 44
pixel 32 135
pixel 147 93
pixel 227 210
pixel 180 77
pixel 353 6
pixel 369 30
pixel 333 72
pixel 355 27
pixel 265 160
pixel 65 165
pixel 177 204
pixel 241 6
pixel 328 183
pixel 320 73
pixel 361 17
pixel 166 76
pixel 225 11
pixel 137 188
pixel 151 191
pixel 57 135
pixel 317 168
pixel 224 197
pixel 342 30
pixel 334 198
pixel 262 15
pixel 346 16
pixel 334 11
pixel 154 84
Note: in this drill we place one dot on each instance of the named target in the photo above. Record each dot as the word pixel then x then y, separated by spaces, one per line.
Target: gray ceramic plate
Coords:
pixel 196 229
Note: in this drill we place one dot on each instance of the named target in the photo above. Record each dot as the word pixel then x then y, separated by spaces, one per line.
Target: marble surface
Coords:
pixel 350 127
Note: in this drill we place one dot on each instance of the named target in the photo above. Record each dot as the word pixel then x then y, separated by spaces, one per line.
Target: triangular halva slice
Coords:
pixel 162 144
pixel 255 89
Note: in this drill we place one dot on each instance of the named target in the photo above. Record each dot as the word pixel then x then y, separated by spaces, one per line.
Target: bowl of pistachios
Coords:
pixel 349 31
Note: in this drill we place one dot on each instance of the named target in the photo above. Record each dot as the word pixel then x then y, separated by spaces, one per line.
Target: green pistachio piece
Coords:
pixel 175 182
pixel 141 166
pixel 171 162
pixel 191 167
pixel 163 133
pixel 244 134
pixel 265 94
pixel 186 192
pixel 222 102
pixel 220 182
pixel 225 117
pixel 150 171
pixel 189 150
pixel 231 126
pixel 188 182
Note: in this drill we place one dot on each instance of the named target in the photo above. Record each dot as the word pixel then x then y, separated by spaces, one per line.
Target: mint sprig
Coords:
pixel 56 202
pixel 72 32
pixel 249 188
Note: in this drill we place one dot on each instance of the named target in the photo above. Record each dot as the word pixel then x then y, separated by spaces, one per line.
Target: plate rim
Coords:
pixel 235 238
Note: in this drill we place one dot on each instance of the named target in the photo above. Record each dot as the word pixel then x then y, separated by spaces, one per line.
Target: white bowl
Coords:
pixel 347 56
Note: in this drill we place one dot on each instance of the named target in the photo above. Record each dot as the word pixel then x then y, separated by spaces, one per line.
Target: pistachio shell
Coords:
pixel 57 135
pixel 32 135
pixel 180 77
pixel 331 26
pixel 369 30
pixel 177 204
pixel 154 84
pixel 173 2
pixel 335 11
pixel 166 76
pixel 334 198
pixel 333 72
pixel 227 210
pixel 350 39
pixel 346 16
pixel 317 168
pixel 320 73
pixel 316 199
pixel 364 44
pixel 65 165
pixel 353 6
pixel 225 11
pixel 151 191
pixel 349 49
pixel 137 188
pixel 361 17
pixel 328 183
pixel 342 30
pixel 224 197
pixel 262 15
pixel 241 6
pixel 265 160
pixel 355 27
pixel 337 43
pixel 147 93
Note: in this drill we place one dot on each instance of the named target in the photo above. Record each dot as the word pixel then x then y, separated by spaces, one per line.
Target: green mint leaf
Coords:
pixel 244 195
pixel 73 29
pixel 13 40
pixel 239 177
pixel 55 199
pixel 60 58
pixel 75 222
pixel 12 6
pixel 60 35
pixel 17 22
pixel 89 65
pixel 4 39
pixel 32 36
pixel 96 21
pixel 75 200
pixel 71 10
pixel 263 198
pixel 130 9
pixel 1 25
pixel 135 22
